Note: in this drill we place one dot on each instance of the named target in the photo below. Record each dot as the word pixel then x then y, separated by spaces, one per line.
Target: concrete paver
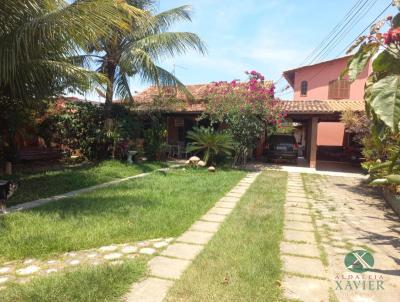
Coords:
pixel 306 289
pixel 149 290
pixel 168 268
pixel 182 251
pixel 195 237
pixel 303 249
pixel 175 259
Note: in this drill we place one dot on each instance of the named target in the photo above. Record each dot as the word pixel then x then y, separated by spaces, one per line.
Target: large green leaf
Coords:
pixel 393 179
pixel 385 100
pixel 367 93
pixel 382 166
pixel 388 61
pixel 359 61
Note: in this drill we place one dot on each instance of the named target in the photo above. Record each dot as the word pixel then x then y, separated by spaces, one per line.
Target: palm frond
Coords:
pixel 166 19
pixel 149 71
pixel 35 29
pixel 210 143
pixel 122 89
pixel 169 44
pixel 36 78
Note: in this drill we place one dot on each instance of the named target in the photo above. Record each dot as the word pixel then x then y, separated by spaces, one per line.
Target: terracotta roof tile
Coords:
pixel 199 93
pixel 323 106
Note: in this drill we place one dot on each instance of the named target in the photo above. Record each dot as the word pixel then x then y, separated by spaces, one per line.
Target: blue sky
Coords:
pixel 269 36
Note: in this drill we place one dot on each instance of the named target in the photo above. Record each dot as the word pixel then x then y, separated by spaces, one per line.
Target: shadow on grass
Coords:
pixel 49 183
pixel 117 204
pixel 163 204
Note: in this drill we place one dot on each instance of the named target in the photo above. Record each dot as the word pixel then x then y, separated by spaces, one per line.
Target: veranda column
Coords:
pixel 313 150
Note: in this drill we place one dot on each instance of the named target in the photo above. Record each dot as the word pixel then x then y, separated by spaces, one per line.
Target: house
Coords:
pixel 319 99
pixel 182 112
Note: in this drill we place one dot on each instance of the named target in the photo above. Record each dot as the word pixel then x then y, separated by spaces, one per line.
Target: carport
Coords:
pixel 320 122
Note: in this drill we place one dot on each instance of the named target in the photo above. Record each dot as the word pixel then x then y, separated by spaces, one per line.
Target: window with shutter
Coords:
pixel 339 89
pixel 303 88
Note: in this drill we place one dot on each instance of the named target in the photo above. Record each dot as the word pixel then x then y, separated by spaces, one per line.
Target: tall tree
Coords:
pixel 39 43
pixel 125 54
pixel 39 38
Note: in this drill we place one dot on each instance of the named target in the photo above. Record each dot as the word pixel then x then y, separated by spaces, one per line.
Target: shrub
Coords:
pixel 210 143
pixel 382 97
pixel 79 126
pixel 155 137
pixel 246 108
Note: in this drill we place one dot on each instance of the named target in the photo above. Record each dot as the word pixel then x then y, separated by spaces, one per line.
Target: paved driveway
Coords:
pixel 328 217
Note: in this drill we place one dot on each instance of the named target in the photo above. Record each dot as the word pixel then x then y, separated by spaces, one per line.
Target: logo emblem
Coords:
pixel 359 261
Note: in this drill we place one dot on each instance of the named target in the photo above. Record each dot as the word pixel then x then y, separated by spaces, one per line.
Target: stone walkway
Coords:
pixel 43 201
pixel 165 269
pixel 327 217
pixel 24 270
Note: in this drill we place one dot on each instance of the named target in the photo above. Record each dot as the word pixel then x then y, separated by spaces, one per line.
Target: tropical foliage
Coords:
pixel 79 127
pixel 382 95
pixel 16 118
pixel 49 48
pixel 121 55
pixel 39 41
pixel 210 143
pixel 357 124
pixel 155 136
pixel 245 108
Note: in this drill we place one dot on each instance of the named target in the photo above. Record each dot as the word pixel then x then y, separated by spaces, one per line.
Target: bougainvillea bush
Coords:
pixel 244 110
pixel 382 96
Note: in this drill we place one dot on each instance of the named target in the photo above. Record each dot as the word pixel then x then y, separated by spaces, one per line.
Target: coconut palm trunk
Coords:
pixel 124 54
pixel 110 73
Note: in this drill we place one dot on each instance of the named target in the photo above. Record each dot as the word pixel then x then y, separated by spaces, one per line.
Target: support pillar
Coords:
pixel 313 141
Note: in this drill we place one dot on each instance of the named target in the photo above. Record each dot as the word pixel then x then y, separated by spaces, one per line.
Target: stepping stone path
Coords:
pixel 177 257
pixel 23 271
pixel 43 201
pixel 304 271
pixel 327 217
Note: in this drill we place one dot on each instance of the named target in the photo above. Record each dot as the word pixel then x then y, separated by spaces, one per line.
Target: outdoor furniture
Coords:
pixel 131 154
pixel 182 153
pixel 4 184
pixel 35 153
pixel 176 150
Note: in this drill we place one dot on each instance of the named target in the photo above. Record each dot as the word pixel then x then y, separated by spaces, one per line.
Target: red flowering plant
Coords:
pixel 382 96
pixel 244 109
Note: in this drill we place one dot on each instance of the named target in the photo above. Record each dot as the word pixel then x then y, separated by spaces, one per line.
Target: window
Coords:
pixel 339 89
pixel 303 88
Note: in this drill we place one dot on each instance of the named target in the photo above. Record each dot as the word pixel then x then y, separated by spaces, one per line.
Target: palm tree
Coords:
pixel 122 55
pixel 38 40
pixel 210 143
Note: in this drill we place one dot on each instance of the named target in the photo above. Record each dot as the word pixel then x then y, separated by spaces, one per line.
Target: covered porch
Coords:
pixel 320 129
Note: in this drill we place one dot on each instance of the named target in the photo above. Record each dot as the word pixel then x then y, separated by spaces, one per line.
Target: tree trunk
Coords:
pixel 110 73
pixel 8 168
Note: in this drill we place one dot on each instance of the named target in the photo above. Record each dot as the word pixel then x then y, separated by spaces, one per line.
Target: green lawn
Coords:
pixel 159 205
pixel 106 283
pixel 44 184
pixel 242 262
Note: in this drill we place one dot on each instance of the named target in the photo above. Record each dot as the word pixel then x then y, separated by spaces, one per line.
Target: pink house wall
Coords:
pixel 318 77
